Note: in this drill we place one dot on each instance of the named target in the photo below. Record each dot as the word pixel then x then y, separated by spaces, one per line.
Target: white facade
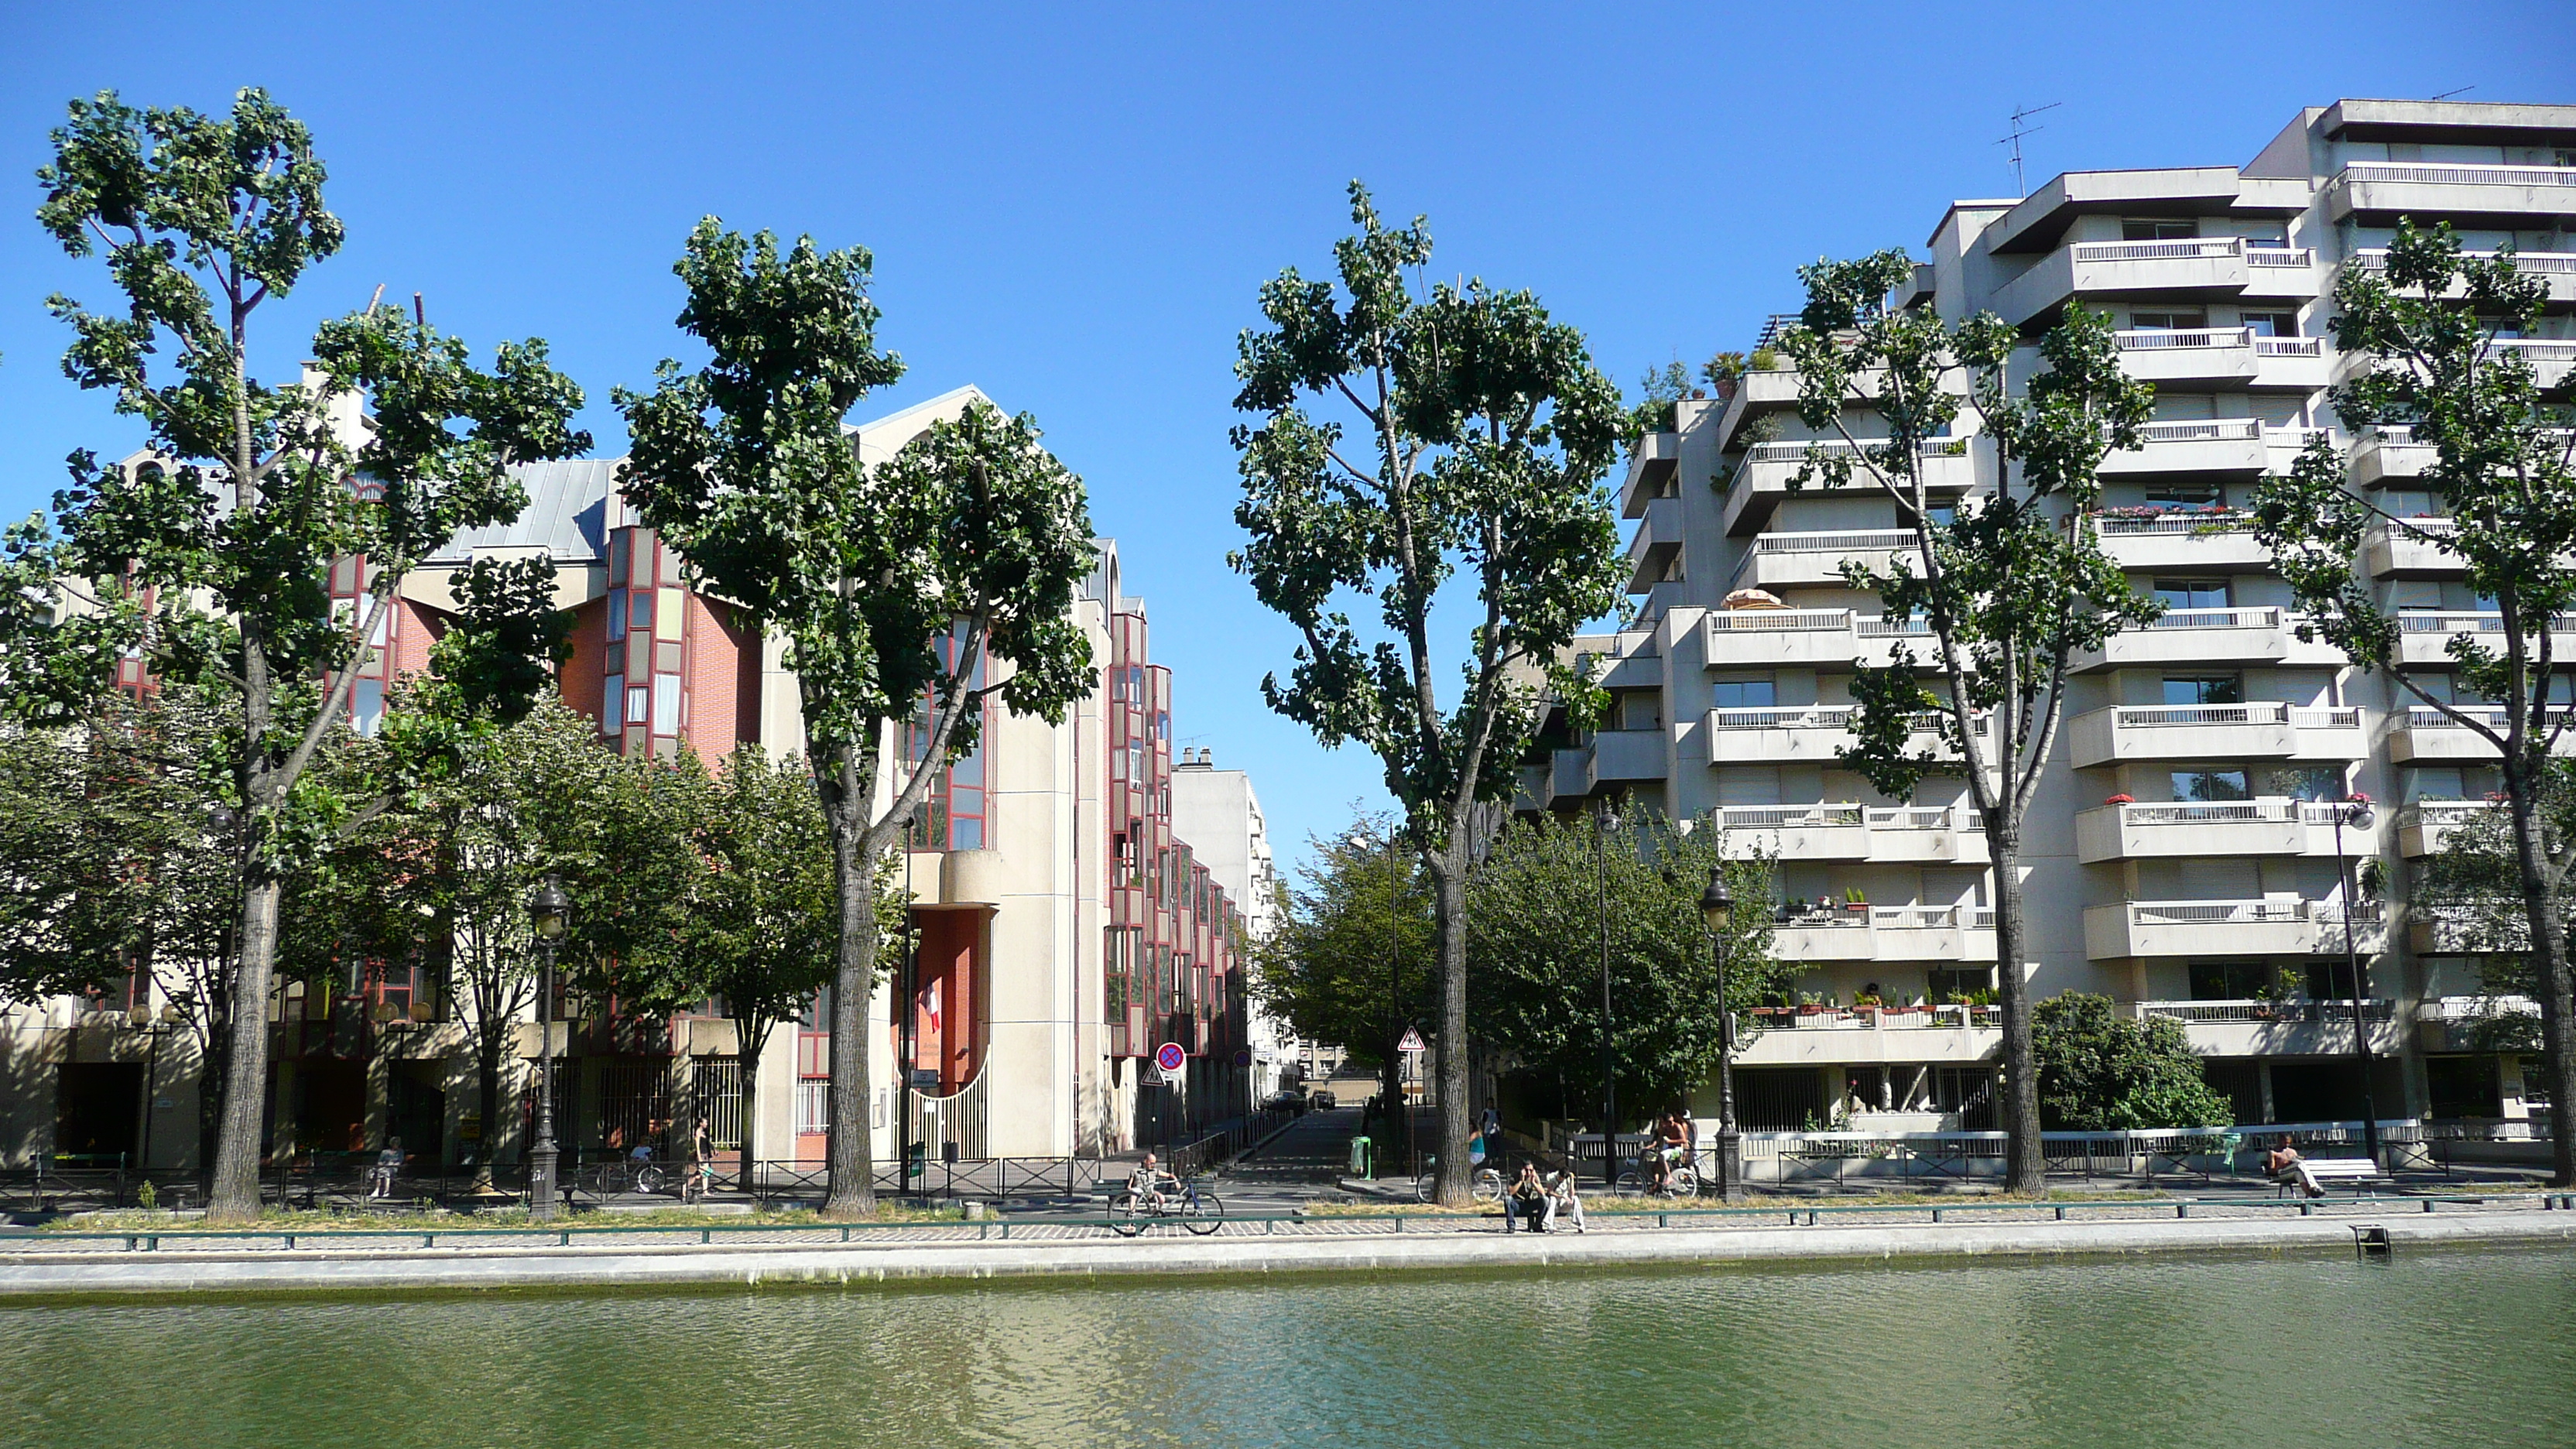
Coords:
pixel 1218 814
pixel 2177 858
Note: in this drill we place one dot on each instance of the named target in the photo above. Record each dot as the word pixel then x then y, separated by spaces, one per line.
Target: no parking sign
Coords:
pixel 1171 1059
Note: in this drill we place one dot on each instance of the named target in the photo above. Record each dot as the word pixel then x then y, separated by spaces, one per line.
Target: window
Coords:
pixel 612 701
pixel 2192 593
pixel 1944 984
pixel 2308 782
pixel 2273 324
pixel 2158 228
pixel 639 610
pixel 2168 321
pixel 616 615
pixel 1744 693
pixel 666 704
pixel 639 703
pixel 2233 980
pixel 367 706
pixel 813 1105
pixel 2188 689
pixel 2211 785
pixel 2188 493
pixel 1641 710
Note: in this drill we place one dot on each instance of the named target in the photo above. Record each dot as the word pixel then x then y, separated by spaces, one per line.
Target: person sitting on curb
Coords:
pixel 1529 1201
pixel 1564 1203
pixel 2283 1164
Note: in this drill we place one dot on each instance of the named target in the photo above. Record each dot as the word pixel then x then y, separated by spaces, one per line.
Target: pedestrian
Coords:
pixel 702 1164
pixel 1529 1201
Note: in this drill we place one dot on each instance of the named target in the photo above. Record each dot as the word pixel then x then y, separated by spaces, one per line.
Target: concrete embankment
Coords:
pixel 81 1274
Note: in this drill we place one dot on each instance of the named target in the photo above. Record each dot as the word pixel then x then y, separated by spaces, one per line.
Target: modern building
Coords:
pixel 2180 857
pixel 1217 811
pixel 1062 928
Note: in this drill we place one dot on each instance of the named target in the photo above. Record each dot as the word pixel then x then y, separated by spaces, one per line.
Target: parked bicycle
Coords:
pixel 1485 1183
pixel 1131 1210
pixel 634 1172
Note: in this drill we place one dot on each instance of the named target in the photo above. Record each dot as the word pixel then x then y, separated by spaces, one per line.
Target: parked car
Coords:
pixel 1290 1100
pixel 1322 1102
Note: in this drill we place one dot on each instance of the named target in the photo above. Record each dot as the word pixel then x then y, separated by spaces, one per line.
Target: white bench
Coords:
pixel 2320 1173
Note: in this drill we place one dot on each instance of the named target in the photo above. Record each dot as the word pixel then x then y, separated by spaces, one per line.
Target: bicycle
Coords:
pixel 626 1174
pixel 1680 1180
pixel 1485 1184
pixel 1131 1212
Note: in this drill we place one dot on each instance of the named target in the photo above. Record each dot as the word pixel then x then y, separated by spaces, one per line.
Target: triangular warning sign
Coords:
pixel 1412 1041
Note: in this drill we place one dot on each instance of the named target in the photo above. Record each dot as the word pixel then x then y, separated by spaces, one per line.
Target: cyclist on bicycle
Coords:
pixel 1670 1145
pixel 1149 1181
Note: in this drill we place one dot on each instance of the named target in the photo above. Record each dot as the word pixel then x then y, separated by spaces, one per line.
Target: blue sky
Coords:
pixel 1074 206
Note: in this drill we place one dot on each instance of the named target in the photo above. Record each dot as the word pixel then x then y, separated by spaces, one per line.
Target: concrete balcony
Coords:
pixel 2413 548
pixel 2424 639
pixel 2280 926
pixel 2376 193
pixel 1657 542
pixel 2207 636
pixel 2423 735
pixel 2212 445
pixel 2556 269
pixel 1756 393
pixel 2425 825
pixel 1786 560
pixel 2267 730
pixel 2389 452
pixel 1762 478
pixel 2277 1028
pixel 2196 268
pixel 1571 774
pixel 2292 362
pixel 2185 829
pixel 1854 832
pixel 1813 733
pixel 2467 1023
pixel 2213 355
pixel 1890 934
pixel 1740 638
pixel 1651 461
pixel 1860 1036
pixel 2218 540
pixel 1534 787
pixel 1630 755
pixel 2552 361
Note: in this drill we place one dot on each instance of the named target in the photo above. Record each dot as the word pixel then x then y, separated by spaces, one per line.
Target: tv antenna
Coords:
pixel 2021 127
pixel 2462 91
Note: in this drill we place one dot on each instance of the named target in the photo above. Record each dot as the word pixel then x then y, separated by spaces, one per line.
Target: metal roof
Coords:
pixel 567 514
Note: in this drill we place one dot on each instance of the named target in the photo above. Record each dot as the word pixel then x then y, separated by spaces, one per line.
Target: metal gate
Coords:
pixel 718 1089
pixel 937 1121
pixel 634 1102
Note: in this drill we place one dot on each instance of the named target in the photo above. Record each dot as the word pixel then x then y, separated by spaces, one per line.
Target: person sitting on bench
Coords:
pixel 1565 1202
pixel 2283 1164
pixel 1529 1201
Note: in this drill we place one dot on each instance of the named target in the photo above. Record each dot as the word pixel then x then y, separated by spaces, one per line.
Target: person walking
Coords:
pixel 702 1163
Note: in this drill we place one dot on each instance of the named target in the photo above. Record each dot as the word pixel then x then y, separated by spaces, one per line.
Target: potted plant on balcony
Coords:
pixel 1855 899
pixel 2122 798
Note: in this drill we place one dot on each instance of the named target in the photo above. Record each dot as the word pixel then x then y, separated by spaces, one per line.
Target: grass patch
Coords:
pixel 417 1220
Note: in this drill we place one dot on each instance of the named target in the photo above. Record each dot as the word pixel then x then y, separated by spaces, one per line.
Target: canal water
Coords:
pixel 2447 1348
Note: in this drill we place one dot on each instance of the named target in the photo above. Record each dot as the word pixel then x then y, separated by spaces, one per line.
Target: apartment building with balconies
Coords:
pixel 2180 857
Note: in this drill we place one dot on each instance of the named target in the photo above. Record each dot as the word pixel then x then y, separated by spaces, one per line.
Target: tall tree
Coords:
pixel 893 586
pixel 1536 913
pixel 254 493
pixel 2470 889
pixel 2011 586
pixel 1487 434
pixel 2436 329
pixel 2100 1073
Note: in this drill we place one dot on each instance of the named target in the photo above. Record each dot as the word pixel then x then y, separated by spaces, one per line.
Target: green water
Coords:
pixel 2461 1348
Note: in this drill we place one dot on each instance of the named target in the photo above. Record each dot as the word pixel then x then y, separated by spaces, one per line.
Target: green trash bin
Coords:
pixel 1363 1157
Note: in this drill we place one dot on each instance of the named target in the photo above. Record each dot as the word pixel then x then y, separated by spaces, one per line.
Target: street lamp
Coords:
pixel 2355 811
pixel 1604 821
pixel 546 908
pixel 1717 909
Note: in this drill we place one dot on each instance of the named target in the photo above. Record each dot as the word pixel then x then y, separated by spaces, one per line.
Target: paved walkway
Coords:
pixel 647 1257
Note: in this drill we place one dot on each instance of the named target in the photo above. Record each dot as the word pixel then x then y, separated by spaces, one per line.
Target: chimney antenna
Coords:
pixel 2021 127
pixel 377 298
pixel 418 314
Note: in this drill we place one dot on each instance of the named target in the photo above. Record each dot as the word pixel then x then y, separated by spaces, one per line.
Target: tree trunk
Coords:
pixel 487 1092
pixel 749 1040
pixel 2550 966
pixel 235 1195
pixel 212 1077
pixel 1449 892
pixel 2025 1161
pixel 853 1193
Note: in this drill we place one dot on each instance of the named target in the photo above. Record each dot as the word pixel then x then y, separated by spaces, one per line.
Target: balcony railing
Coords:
pixel 2162 340
pixel 1823 621
pixel 2289 347
pixel 2261 617
pixel 1787 817
pixel 2159 716
pixel 2205 430
pixel 2258 255
pixel 2441 175
pixel 1812 717
pixel 2181 521
pixel 2245 912
pixel 1873 539
pixel 2260 1011
pixel 2470 622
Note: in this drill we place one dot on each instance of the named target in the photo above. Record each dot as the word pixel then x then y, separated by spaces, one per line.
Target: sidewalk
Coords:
pixel 47 1264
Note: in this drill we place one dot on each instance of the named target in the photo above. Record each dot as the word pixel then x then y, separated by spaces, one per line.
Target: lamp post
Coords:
pixel 546 907
pixel 2355 811
pixel 1717 909
pixel 1605 820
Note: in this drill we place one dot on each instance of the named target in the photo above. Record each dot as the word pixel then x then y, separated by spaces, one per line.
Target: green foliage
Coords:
pixel 2100 1073
pixel 1659 395
pixel 2471 890
pixel 1488 434
pixel 1535 914
pixel 1339 968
